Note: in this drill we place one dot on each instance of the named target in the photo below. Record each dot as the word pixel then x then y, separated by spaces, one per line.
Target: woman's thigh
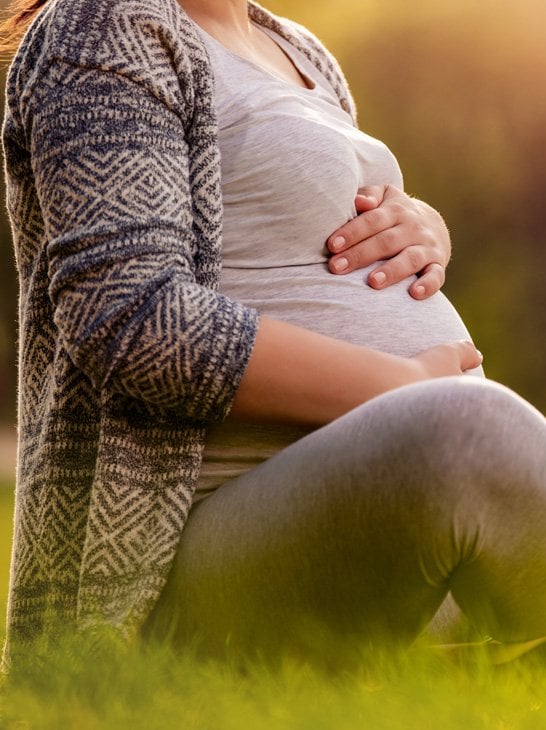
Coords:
pixel 359 530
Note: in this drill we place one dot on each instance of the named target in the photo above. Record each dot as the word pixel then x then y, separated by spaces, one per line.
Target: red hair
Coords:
pixel 16 20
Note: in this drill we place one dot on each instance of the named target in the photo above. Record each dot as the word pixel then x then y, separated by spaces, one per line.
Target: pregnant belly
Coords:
pixel 345 307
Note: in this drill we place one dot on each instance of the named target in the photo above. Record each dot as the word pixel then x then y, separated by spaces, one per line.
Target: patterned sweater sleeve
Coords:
pixel 111 164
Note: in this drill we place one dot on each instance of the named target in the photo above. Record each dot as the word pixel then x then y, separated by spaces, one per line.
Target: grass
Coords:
pixel 6 529
pixel 75 687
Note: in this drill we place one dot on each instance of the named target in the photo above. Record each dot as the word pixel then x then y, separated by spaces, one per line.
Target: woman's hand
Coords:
pixel 407 234
pixel 453 358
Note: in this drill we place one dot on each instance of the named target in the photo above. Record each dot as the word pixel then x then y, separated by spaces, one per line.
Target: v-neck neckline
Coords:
pixel 285 47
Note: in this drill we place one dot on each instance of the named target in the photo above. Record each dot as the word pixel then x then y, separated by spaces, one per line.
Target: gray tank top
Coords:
pixel 292 162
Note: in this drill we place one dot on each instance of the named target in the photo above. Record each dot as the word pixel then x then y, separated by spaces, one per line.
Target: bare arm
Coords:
pixel 298 376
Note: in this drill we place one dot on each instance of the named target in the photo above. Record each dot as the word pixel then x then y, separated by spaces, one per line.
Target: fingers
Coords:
pixel 405 235
pixel 469 356
pixel 431 279
pixel 370 197
pixel 365 240
pixel 411 260
pixel 361 228
pixel 453 358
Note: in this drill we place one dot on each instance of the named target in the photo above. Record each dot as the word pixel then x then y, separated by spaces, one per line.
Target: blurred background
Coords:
pixel 458 91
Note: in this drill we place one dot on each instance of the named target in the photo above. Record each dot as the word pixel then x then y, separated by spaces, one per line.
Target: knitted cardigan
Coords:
pixel 127 351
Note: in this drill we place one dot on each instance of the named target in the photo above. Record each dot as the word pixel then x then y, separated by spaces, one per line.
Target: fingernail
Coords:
pixel 338 243
pixel 420 290
pixel 379 278
pixel 341 264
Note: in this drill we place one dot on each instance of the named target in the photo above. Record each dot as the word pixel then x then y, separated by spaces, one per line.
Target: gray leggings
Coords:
pixel 354 535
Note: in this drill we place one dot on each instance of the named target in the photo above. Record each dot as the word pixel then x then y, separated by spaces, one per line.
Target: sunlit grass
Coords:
pixel 76 688
pixel 6 526
pixel 148 691
pixel 79 687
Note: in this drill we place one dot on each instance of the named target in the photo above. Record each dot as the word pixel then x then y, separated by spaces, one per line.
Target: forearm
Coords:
pixel 298 376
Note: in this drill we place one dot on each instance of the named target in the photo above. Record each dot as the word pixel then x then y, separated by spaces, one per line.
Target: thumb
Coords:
pixel 369 197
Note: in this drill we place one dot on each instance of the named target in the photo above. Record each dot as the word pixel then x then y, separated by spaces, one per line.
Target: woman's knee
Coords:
pixel 464 419
pixel 481 432
pixel 461 405
pixel 449 440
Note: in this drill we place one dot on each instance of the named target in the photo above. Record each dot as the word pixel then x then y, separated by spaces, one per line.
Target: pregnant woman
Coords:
pixel 351 476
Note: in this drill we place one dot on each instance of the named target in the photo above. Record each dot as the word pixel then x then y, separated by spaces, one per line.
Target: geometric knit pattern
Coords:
pixel 127 350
